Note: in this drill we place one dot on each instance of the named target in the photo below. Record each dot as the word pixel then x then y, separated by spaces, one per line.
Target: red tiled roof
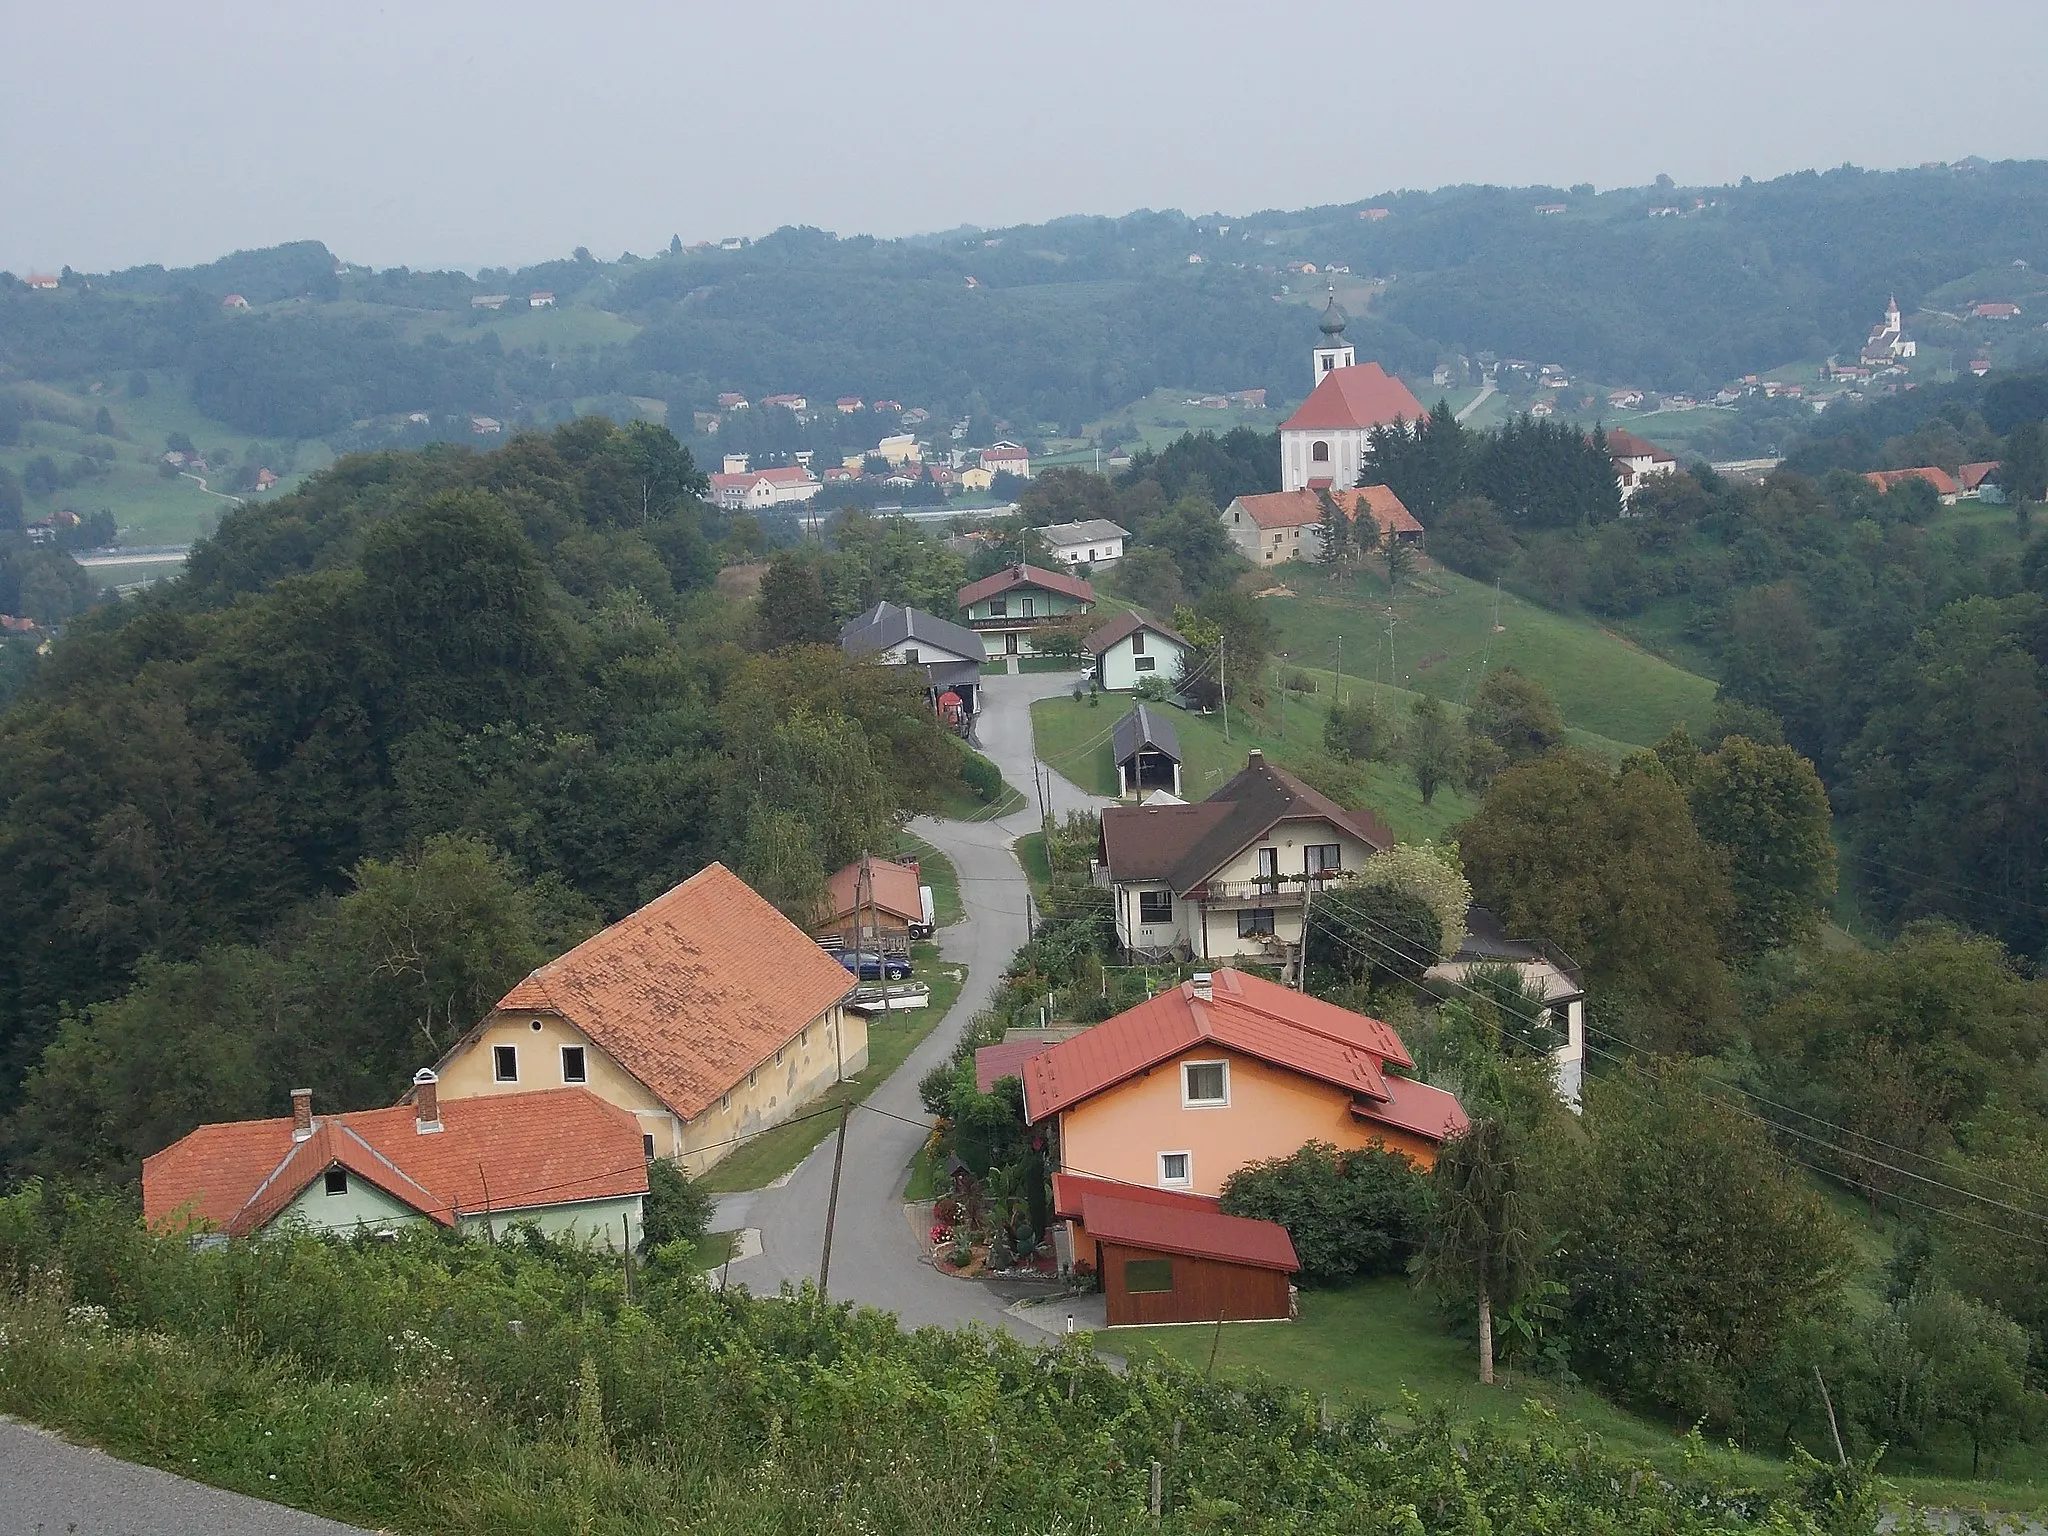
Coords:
pixel 1416 1107
pixel 1006 1058
pixel 530 1149
pixel 895 890
pixel 1885 479
pixel 1365 395
pixel 794 474
pixel 1974 475
pixel 1024 576
pixel 1381 504
pixel 693 991
pixel 1243 1013
pixel 1189 1229
pixel 1070 1189
pixel 1626 445
pixel 1281 509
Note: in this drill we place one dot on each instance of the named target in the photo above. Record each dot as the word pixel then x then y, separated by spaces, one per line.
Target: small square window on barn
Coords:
pixel 337 1181
pixel 505 1063
pixel 1155 906
pixel 574 1068
pixel 1142 1276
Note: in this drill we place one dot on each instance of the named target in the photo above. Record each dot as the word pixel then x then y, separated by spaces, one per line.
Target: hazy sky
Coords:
pixel 448 133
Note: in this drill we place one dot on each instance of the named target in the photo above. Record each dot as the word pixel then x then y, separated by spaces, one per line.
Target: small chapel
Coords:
pixel 1323 443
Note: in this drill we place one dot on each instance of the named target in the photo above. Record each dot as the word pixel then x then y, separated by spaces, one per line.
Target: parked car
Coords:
pixel 872 967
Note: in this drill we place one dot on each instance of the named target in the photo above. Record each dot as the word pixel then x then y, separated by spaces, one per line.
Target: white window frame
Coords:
pixel 1187 1101
pixel 575 1082
pixel 1187 1178
pixel 1155 922
pixel 497 1064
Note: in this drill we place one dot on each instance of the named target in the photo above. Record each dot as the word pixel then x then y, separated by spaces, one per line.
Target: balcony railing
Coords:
pixel 1272 890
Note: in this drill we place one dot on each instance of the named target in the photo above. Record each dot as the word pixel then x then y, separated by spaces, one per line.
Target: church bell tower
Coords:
pixel 1333 351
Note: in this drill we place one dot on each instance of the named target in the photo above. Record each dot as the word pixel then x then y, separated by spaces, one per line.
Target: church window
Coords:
pixel 1320 452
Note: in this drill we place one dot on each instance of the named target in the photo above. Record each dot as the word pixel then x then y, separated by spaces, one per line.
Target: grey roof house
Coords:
pixel 949 655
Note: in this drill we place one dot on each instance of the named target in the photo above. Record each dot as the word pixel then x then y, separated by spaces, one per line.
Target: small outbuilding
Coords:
pixel 1165 1257
pixel 886 912
pixel 1147 752
pixel 1130 648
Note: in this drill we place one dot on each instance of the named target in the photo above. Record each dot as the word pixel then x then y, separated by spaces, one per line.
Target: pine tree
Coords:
pixel 1334 532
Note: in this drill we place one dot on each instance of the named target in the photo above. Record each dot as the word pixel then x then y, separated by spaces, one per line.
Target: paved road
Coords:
pixel 1486 392
pixel 49 1486
pixel 876 1257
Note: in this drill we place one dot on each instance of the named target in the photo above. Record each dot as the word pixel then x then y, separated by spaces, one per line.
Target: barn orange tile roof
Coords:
pixel 1257 1017
pixel 1940 479
pixel 1070 1189
pixel 1380 504
pixel 1193 1228
pixel 1364 395
pixel 693 991
pixel 895 891
pixel 528 1149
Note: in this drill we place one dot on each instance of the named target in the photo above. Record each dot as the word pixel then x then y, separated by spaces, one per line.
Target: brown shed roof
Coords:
pixel 895 890
pixel 1129 622
pixel 1025 576
pixel 693 991
pixel 1193 1229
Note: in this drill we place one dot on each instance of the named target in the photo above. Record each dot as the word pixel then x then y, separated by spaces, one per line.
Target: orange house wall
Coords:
pixel 1120 1132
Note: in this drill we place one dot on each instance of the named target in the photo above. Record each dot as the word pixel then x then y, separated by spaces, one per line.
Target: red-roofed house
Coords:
pixel 562 1159
pixel 753 489
pixel 1286 525
pixel 1994 311
pixel 1944 484
pixel 1021 600
pixel 234 301
pixel 897 914
pixel 1224 1070
pixel 707 1014
pixel 1006 458
pixel 1323 442
pixel 1976 477
pixel 42 280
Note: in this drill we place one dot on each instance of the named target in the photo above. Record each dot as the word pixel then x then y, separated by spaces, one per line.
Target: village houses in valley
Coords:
pixel 707 1015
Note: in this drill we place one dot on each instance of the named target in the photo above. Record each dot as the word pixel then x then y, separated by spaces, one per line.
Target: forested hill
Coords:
pixel 1051 326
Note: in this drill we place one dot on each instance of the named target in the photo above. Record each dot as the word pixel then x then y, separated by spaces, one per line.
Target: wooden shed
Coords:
pixel 1184 1261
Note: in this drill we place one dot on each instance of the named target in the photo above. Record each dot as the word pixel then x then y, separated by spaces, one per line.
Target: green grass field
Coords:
pixel 1384 1343
pixel 891 1039
pixel 1074 739
pixel 150 508
pixel 1444 638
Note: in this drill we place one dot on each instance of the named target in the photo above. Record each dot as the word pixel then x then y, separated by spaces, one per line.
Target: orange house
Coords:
pixel 1228 1069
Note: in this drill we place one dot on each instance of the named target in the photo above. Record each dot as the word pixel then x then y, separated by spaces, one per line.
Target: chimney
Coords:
pixel 1204 986
pixel 426 1101
pixel 302 1113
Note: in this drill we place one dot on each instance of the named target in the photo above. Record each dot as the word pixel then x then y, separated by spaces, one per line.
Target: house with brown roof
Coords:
pixel 1224 1070
pixel 1230 875
pixel 1278 526
pixel 1021 601
pixel 1130 648
pixel 1636 459
pixel 1979 481
pixel 1167 1257
pixel 707 1015
pixel 561 1160
pixel 880 915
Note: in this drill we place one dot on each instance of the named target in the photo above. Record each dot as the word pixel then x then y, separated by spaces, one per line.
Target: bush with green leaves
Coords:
pixel 1351 1214
pixel 678 1209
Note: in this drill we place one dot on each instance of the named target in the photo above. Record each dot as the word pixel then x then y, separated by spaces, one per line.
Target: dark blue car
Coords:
pixel 871 967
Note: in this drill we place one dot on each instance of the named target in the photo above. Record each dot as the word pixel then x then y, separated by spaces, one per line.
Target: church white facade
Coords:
pixel 1323 444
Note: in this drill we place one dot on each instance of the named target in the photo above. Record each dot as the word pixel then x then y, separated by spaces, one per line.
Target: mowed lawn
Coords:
pixel 1444 639
pixel 1074 739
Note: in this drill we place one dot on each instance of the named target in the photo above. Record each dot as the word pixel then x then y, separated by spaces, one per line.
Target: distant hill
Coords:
pixel 1046 327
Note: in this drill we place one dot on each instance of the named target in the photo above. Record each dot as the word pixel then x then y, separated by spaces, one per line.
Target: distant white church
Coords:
pixel 1322 444
pixel 1889 342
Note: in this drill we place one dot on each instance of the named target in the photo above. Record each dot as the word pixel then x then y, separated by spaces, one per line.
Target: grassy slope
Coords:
pixel 1380 1341
pixel 1444 636
pixel 891 1039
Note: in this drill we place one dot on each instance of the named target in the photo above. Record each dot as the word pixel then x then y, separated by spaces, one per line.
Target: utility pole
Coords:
pixel 1393 676
pixel 832 1204
pixel 1223 682
pixel 1280 693
pixel 1340 669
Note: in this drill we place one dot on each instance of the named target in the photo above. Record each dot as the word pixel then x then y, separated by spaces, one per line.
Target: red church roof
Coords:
pixel 1362 396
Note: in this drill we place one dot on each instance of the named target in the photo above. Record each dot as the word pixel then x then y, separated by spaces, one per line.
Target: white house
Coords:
pixel 949 655
pixel 1231 875
pixel 540 298
pixel 754 489
pixel 1097 541
pixel 1637 459
pixel 42 281
pixel 1130 648
pixel 899 450
pixel 1278 526
pixel 1541 969
pixel 1323 442
pixel 1006 458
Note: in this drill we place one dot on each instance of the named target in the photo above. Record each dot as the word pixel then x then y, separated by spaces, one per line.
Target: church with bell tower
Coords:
pixel 1322 445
